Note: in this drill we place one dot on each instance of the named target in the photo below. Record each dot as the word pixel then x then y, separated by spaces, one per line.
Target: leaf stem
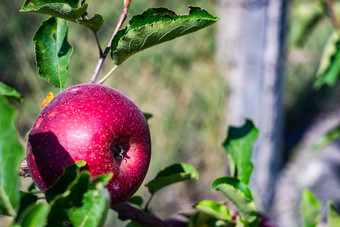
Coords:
pixel 108 74
pixel 107 49
pixel 126 211
pixel 332 14
pixel 146 208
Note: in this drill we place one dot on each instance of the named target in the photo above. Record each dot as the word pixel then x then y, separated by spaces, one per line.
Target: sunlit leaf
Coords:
pixel 239 194
pixel 11 154
pixel 330 137
pixel 9 92
pixel 329 67
pixel 333 217
pixel 202 219
pixel 155 26
pixel 213 208
pixel 66 9
pixel 310 209
pixel 172 174
pixel 26 200
pixel 238 145
pixel 52 51
pixel 35 215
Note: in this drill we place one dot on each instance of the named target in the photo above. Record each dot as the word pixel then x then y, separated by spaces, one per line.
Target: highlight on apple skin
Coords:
pixel 96 124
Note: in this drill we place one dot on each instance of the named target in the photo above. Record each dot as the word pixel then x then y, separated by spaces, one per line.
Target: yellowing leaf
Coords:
pixel 48 98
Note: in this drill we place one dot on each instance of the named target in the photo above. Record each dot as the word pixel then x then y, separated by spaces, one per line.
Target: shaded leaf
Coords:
pixel 238 145
pixel 329 67
pixel 155 26
pixel 310 209
pixel 172 174
pixel 214 209
pixel 330 137
pixel 134 224
pixel 35 215
pixel 10 92
pixel 61 184
pixel 239 194
pixel 11 154
pixel 136 200
pixel 147 116
pixel 333 217
pixel 52 51
pixel 94 23
pixel 65 9
pixel 85 203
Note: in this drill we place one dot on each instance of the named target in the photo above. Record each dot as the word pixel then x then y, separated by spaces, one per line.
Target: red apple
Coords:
pixel 96 124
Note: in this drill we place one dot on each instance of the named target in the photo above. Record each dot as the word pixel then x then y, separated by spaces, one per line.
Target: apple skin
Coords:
pixel 96 124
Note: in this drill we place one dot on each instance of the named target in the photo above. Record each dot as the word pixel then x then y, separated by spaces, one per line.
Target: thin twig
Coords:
pixel 108 74
pixel 332 14
pixel 107 49
pixel 126 211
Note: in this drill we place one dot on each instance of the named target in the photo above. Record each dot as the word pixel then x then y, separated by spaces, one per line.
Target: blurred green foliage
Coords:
pixel 303 102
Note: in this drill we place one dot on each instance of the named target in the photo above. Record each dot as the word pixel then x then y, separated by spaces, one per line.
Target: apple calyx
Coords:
pixel 119 151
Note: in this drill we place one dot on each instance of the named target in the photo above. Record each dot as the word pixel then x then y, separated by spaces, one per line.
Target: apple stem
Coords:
pixel 108 74
pixel 108 46
pixel 126 211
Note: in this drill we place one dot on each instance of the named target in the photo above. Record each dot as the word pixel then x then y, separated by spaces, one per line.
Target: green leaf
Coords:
pixel 61 184
pixel 155 26
pixel 170 175
pixel 330 137
pixel 310 209
pixel 238 145
pixel 52 51
pixel 307 16
pixel 329 67
pixel 27 199
pixel 214 209
pixel 147 116
pixel 136 200
pixel 333 219
pixel 65 9
pixel 206 220
pixel 239 194
pixel 9 92
pixel 134 224
pixel 35 215
pixel 11 153
pixel 94 23
pixel 85 203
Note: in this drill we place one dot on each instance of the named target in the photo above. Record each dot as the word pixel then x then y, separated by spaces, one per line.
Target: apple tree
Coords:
pixel 88 133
